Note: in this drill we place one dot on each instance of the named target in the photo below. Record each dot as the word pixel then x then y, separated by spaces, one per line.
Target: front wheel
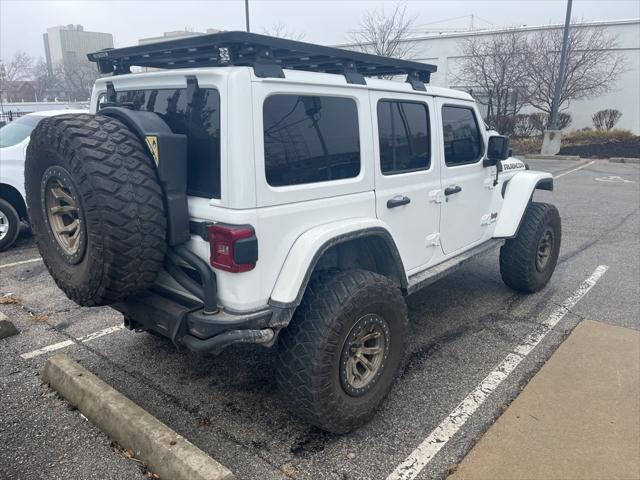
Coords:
pixel 9 225
pixel 528 260
pixel 340 354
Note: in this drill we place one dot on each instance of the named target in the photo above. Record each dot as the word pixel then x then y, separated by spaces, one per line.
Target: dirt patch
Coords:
pixel 313 440
pixel 10 300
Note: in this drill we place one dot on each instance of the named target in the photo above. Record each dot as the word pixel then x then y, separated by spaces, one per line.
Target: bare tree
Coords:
pixel 44 81
pixel 606 119
pixel 496 67
pixel 78 77
pixel 385 34
pixel 564 120
pixel 280 30
pixel 592 65
pixel 17 69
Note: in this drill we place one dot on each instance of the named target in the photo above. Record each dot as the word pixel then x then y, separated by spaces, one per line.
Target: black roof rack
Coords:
pixel 267 55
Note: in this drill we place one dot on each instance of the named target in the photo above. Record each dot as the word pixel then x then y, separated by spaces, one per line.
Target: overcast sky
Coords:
pixel 22 22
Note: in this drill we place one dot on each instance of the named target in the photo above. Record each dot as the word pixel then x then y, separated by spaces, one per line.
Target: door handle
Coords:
pixel 452 190
pixel 398 201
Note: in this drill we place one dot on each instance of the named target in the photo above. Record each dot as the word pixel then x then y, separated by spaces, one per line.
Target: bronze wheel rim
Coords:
pixel 64 215
pixel 364 354
pixel 545 247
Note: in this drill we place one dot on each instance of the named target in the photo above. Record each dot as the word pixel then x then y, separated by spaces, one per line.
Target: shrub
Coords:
pixel 564 120
pixel 503 124
pixel 523 127
pixel 538 122
pixel 522 146
pixel 588 137
pixel 606 119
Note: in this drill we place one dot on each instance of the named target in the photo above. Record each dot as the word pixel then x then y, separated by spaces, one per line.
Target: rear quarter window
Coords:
pixel 199 121
pixel 310 139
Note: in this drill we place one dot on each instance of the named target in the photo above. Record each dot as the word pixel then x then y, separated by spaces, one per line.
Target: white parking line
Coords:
pixel 14 264
pixel 575 169
pixel 66 343
pixel 439 437
pixel 48 348
pixel 100 333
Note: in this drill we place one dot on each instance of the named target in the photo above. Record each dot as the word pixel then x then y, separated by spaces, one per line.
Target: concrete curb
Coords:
pixel 535 156
pixel 7 329
pixel 532 156
pixel 164 451
pixel 624 160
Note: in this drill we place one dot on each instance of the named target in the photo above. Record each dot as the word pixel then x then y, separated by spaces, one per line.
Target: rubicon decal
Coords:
pixel 513 166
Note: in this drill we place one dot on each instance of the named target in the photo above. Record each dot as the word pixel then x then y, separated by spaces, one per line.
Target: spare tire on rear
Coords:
pixel 95 207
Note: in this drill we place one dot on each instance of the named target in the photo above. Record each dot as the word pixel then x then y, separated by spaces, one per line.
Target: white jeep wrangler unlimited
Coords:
pixel 263 190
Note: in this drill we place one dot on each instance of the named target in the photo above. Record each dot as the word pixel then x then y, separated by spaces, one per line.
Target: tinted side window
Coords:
pixel 462 140
pixel 310 139
pixel 403 130
pixel 200 122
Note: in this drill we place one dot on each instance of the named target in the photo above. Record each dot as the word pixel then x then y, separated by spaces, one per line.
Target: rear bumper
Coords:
pixel 187 325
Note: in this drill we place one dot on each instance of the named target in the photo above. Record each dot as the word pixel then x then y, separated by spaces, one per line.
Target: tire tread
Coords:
pixel 122 199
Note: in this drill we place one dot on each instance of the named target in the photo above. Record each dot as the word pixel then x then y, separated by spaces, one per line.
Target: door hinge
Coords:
pixel 435 196
pixel 489 218
pixel 433 240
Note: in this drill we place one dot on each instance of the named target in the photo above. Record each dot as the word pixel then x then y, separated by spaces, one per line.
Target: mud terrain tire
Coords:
pixel 313 349
pixel 95 206
pixel 528 260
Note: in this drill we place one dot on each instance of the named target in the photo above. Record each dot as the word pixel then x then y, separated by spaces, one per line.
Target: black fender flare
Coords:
pixel 169 152
pixel 545 184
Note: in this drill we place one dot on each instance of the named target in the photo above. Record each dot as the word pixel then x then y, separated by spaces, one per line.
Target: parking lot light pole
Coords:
pixel 553 124
pixel 246 14
pixel 552 136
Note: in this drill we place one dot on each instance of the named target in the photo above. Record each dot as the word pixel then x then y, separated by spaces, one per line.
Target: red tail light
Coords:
pixel 233 248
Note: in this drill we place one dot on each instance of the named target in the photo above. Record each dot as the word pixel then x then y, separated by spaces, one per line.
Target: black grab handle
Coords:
pixel 452 190
pixel 397 202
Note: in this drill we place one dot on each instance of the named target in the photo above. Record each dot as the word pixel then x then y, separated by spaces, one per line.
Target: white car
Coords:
pixel 14 138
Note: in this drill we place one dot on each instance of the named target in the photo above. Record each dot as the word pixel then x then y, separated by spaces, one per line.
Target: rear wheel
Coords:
pixel 528 260
pixel 340 354
pixel 9 225
pixel 95 207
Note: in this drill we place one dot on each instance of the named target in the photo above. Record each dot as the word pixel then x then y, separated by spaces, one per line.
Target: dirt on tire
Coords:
pixel 90 175
pixel 518 266
pixel 309 349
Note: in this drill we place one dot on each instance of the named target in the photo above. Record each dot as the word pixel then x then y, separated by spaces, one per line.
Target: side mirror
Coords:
pixel 498 149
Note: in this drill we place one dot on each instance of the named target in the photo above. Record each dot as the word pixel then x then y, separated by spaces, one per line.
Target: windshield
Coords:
pixel 15 132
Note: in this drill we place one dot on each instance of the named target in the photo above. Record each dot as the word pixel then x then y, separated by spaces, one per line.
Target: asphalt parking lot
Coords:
pixel 461 328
